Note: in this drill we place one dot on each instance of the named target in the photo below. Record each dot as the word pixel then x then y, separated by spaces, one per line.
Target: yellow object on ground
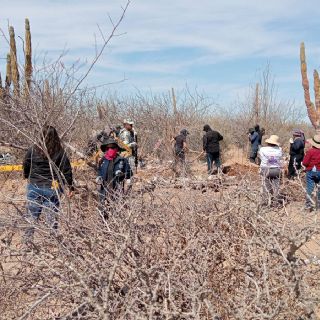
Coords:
pixel 18 167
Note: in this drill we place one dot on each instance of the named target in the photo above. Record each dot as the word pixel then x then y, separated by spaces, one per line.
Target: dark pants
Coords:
pixel 107 195
pixel 270 184
pixel 213 157
pixel 180 156
pixel 294 165
pixel 312 179
pixel 253 154
pixel 180 165
pixel 39 198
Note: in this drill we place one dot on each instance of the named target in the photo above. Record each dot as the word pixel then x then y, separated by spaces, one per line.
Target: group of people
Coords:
pixel 49 172
pixel 304 154
pixel 210 145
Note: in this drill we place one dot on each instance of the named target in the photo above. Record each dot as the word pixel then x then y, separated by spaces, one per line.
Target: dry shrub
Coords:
pixel 163 254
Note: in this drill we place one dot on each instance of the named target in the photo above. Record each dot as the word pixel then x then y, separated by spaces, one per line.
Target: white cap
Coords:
pixel 128 121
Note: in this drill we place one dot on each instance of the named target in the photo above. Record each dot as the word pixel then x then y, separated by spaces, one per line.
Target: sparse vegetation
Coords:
pixel 173 248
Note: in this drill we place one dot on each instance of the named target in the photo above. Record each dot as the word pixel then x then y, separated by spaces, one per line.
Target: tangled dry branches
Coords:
pixel 163 254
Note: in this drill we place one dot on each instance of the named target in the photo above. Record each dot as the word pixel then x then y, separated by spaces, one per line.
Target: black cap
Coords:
pixel 184 132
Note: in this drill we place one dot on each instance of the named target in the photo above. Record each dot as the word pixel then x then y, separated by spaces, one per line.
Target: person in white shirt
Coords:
pixel 270 168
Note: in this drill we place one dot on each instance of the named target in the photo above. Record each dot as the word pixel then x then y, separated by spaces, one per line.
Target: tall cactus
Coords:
pixel 313 109
pixel 1 88
pixel 8 73
pixel 14 62
pixel 28 57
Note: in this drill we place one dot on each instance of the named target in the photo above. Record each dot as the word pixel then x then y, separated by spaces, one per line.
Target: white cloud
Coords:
pixel 219 30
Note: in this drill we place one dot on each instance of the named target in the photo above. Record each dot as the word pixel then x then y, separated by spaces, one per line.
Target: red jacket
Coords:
pixel 312 158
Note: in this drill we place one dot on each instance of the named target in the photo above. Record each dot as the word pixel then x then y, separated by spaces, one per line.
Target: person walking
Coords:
pixel 296 153
pixel 180 148
pixel 48 170
pixel 129 138
pixel 113 170
pixel 211 146
pixel 254 139
pixel 311 162
pixel 270 169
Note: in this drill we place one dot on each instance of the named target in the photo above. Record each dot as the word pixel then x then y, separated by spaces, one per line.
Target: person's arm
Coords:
pixel 254 137
pixel 27 164
pixel 184 145
pixel 307 158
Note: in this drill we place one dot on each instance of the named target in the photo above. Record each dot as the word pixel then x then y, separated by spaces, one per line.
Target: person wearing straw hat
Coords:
pixel 270 168
pixel 311 162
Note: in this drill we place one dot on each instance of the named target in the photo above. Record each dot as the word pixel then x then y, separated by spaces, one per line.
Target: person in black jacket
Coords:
pixel 113 170
pixel 211 147
pixel 48 170
pixel 296 153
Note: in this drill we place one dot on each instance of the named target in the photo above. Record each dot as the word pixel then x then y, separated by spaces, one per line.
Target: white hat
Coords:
pixel 273 140
pixel 128 121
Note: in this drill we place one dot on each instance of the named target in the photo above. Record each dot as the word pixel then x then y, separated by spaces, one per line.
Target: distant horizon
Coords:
pixel 218 48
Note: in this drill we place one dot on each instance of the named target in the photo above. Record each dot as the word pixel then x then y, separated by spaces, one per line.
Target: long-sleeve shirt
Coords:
pixel 297 147
pixel 37 168
pixel 211 141
pixel 311 159
pixel 255 140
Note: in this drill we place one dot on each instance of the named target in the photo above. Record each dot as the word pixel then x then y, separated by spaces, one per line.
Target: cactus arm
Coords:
pixel 305 83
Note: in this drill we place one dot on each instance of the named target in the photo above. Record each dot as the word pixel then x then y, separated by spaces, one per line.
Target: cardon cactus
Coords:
pixel 28 57
pixel 313 109
pixel 8 73
pixel 14 62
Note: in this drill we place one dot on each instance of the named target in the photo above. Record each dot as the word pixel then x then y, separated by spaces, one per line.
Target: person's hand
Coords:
pixel 129 182
pixel 132 144
pixel 291 140
pixel 70 194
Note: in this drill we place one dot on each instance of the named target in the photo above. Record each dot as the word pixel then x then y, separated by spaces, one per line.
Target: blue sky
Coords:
pixel 217 46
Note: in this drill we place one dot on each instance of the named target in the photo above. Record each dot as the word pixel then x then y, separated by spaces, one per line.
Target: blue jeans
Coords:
pixel 312 178
pixel 213 157
pixel 39 198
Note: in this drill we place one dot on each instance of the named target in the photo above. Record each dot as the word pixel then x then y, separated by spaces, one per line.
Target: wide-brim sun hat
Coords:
pixel 315 141
pixel 274 139
pixel 109 141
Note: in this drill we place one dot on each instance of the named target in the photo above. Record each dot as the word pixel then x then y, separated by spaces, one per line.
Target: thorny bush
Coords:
pixel 164 253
